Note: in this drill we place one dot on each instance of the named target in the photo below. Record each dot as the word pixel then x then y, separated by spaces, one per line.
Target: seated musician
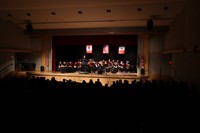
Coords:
pixel 109 66
pixel 75 66
pixel 63 67
pixel 115 66
pixel 79 65
pixel 70 67
pixel 127 66
pixel 96 66
pixel 100 67
pixel 91 65
pixel 121 66
pixel 105 66
pixel 59 65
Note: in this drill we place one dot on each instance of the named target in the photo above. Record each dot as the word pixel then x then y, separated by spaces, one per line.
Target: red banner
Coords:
pixel 121 50
pixel 88 49
pixel 105 49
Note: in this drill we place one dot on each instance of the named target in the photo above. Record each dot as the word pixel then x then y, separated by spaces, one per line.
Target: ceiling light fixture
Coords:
pixel 139 9
pixel 165 8
pixel 108 11
pixel 80 12
pixel 53 13
pixel 9 14
pixel 28 14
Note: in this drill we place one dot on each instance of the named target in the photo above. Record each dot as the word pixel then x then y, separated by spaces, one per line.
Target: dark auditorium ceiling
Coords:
pixel 70 14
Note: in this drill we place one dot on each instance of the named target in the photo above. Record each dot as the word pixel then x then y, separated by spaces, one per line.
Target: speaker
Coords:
pixel 29 28
pixel 150 24
pixel 42 68
pixel 142 72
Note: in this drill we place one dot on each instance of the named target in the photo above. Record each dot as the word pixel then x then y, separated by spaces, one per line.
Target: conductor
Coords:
pixel 84 64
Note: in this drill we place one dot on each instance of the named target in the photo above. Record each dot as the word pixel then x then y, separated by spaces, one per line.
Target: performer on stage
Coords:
pixel 91 64
pixel 84 64
pixel 115 66
pixel 63 67
pixel 121 66
pixel 100 67
pixel 59 65
pixel 84 60
pixel 127 66
pixel 109 66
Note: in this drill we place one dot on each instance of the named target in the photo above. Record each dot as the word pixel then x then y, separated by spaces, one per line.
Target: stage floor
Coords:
pixel 105 78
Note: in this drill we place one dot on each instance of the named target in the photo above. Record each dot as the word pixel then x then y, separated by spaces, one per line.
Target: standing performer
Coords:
pixel 84 64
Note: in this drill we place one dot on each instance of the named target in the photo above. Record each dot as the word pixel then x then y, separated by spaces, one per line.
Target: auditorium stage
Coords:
pixel 105 78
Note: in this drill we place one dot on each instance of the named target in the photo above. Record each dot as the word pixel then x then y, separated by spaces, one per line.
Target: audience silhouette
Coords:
pixel 122 107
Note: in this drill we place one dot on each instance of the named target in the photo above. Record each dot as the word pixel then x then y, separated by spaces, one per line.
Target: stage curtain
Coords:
pixel 92 39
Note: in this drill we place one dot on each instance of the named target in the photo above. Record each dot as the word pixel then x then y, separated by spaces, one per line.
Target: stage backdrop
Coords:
pixel 73 48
